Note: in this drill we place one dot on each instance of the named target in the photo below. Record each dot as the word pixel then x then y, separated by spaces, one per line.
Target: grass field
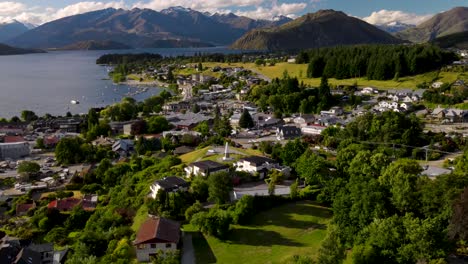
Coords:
pixel 202 154
pixel 76 194
pixel 273 237
pixel 300 71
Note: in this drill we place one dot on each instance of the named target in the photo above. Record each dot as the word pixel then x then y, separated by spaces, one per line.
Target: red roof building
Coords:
pixel 13 139
pixel 156 234
pixel 64 205
pixel 22 209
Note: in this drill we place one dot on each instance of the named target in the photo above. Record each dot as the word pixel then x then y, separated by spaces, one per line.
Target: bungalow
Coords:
pixel 103 141
pixel 304 120
pixel 51 141
pixel 89 202
pixel 406 106
pixel 156 236
pixel 205 168
pixel 123 147
pixel 288 132
pixel 135 128
pixel 64 205
pixel 22 209
pixel 256 164
pixel 368 90
pixel 168 184
pixel 313 130
pixel 36 253
pixel 335 111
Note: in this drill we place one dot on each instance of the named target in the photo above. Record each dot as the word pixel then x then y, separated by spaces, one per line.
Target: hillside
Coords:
pixel 11 30
pixel 446 23
pixel 8 50
pixel 140 28
pixel 457 40
pixel 321 29
pixel 96 45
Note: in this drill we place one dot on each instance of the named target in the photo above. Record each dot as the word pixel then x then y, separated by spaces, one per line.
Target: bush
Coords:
pixel 215 222
pixel 192 210
pixel 244 210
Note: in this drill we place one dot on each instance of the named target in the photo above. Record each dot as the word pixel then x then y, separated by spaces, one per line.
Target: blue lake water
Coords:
pixel 46 83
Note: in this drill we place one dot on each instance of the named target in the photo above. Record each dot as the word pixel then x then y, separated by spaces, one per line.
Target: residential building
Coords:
pixel 168 184
pixel 205 168
pixel 14 150
pixel 304 120
pixel 182 150
pixel 135 128
pixel 256 164
pixel 288 132
pixel 36 253
pixel 89 202
pixel 123 147
pixel 103 141
pixel 22 209
pixel 156 235
pixel 64 205
pixel 313 130
pixel 335 111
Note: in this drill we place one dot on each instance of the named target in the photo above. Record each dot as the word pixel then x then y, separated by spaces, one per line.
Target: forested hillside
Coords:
pixel 376 62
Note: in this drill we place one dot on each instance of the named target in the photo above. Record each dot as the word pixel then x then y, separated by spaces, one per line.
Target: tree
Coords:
pixel 40 143
pixel 199 188
pixel 195 108
pixel 203 128
pixel 244 210
pixel 219 187
pixel 312 168
pixel 215 222
pixel 28 168
pixel 246 120
pixel 192 210
pixel 28 116
pixel 331 250
pixel 292 151
pixel 93 118
pixel 200 67
pixel 68 151
pixel 157 124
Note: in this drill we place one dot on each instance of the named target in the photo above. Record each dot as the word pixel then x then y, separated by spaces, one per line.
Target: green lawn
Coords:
pixel 300 71
pixel 273 237
pixel 202 154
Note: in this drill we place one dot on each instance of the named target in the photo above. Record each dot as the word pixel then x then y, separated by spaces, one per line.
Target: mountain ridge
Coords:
pixel 141 28
pixel 452 21
pixel 320 29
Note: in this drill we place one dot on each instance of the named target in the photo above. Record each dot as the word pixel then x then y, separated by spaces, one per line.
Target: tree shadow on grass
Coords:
pixel 203 251
pixel 256 237
pixel 283 217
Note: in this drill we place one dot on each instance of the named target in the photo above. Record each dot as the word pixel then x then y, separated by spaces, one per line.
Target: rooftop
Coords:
pixel 171 182
pixel 258 160
pixel 158 229
pixel 208 164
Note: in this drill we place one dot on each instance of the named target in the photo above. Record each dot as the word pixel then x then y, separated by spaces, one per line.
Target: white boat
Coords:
pixel 74 102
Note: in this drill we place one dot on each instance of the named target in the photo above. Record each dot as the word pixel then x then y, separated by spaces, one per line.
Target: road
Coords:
pixel 188 253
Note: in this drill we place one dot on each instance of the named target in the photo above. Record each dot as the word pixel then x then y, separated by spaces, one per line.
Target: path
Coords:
pixel 188 253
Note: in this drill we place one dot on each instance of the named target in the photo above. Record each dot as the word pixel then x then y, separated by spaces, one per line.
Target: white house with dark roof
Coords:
pixel 168 184
pixel 288 132
pixel 205 168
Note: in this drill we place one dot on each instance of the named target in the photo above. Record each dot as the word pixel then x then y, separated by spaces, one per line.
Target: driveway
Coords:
pixel 188 253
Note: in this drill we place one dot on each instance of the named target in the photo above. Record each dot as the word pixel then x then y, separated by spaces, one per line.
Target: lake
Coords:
pixel 47 82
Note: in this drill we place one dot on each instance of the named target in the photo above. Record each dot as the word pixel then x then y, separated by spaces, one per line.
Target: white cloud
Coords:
pixel 201 5
pixel 284 9
pixel 260 9
pixel 388 16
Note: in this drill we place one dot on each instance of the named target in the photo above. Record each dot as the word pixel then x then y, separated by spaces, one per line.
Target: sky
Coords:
pixel 373 11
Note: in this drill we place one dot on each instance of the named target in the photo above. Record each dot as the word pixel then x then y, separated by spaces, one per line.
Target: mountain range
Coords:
pixel 142 28
pixel 393 27
pixel 320 29
pixel 446 23
pixel 13 29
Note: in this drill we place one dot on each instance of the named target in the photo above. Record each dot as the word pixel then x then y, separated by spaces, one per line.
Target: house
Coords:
pixel 335 111
pixel 368 90
pixel 103 141
pixel 156 235
pixel 258 190
pixel 437 85
pixel 288 132
pixel 64 205
pixel 168 184
pixel 36 253
pixel 123 147
pixel 14 150
pixel 135 128
pixel 22 209
pixel 51 141
pixel 313 130
pixel 406 106
pixel 205 168
pixel 183 150
pixel 256 164
pixel 89 202
pixel 304 120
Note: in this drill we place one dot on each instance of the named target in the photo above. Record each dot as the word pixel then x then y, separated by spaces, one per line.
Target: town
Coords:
pixel 139 181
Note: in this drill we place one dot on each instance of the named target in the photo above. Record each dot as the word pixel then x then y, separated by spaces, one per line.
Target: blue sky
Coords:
pixel 373 11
